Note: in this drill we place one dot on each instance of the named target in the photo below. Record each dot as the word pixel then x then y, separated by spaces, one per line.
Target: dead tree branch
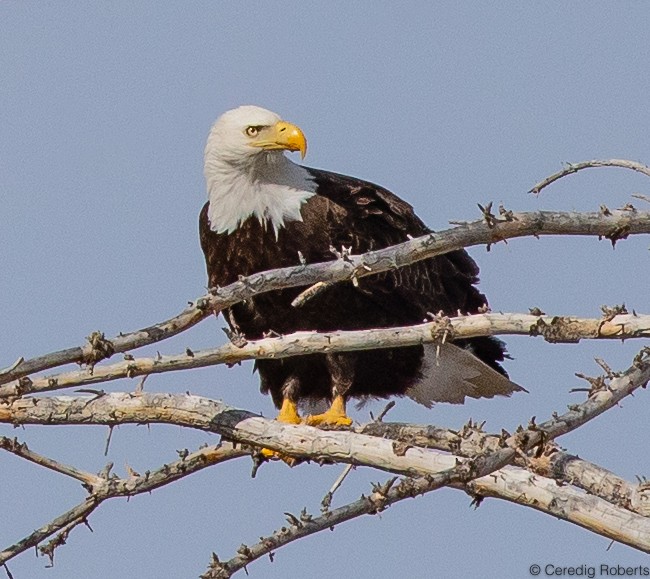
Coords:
pixel 110 486
pixel 555 329
pixel 571 168
pixel 514 484
pixel 299 440
pixel 615 225
pixel 551 462
pixel 20 449
pixel 381 498
pixel 353 448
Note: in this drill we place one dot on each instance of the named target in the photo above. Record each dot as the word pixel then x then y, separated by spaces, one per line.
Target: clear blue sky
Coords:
pixel 104 109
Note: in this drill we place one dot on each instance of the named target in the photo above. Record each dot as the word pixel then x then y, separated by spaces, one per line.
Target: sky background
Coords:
pixel 104 111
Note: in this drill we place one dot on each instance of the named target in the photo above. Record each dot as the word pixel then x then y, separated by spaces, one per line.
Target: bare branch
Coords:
pixel 110 487
pixel 349 447
pixel 554 329
pixel 327 499
pixel 615 225
pixel 12 368
pixel 551 463
pixel 610 508
pixel 372 504
pixel 515 484
pixel 511 483
pixel 571 168
pixel 596 480
pixel 382 497
pixel 20 449
pixel 565 502
pixel 301 440
pixel 76 514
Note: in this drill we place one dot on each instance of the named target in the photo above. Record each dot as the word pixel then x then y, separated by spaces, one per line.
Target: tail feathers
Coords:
pixel 455 374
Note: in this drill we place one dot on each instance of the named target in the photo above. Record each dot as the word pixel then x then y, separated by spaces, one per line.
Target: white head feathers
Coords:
pixel 248 175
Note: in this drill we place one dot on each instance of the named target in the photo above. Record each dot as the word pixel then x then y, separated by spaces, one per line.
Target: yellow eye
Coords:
pixel 252 131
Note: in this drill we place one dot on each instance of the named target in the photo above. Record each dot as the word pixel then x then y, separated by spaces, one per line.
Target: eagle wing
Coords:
pixel 377 218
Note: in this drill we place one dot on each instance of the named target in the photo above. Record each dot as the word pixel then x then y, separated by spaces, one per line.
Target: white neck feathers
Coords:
pixel 266 186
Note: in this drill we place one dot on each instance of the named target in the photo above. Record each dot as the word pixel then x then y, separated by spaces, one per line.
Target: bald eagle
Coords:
pixel 264 210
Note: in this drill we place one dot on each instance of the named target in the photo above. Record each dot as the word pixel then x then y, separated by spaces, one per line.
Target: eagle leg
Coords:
pixel 289 415
pixel 334 416
pixel 341 366
pixel 288 412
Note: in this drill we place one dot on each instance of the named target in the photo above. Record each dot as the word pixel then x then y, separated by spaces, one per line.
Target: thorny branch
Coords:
pixel 353 448
pixel 553 329
pixel 616 224
pixel 20 449
pixel 462 475
pixel 381 498
pixel 298 440
pixel 548 460
pixel 109 486
pixel 524 489
pixel 571 168
pixel 611 393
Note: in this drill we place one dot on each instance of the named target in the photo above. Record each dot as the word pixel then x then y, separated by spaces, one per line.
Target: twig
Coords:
pixel 109 436
pixel 310 293
pixel 20 449
pixel 339 481
pixel 385 411
pixel 571 168
pixel 642 197
pixel 140 387
pixel 327 499
pixel 10 369
pixel 78 513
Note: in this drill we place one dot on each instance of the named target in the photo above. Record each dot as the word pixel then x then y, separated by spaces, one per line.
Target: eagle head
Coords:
pixel 248 131
pixel 247 173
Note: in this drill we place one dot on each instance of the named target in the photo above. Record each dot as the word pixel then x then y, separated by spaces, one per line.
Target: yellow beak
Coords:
pixel 283 135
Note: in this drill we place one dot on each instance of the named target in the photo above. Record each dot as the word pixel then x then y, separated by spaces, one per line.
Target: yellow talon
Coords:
pixel 335 415
pixel 289 415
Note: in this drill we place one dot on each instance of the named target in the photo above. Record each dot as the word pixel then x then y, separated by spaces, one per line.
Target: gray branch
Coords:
pixel 555 329
pixel 613 225
pixel 571 168
pixel 109 486
pixel 512 483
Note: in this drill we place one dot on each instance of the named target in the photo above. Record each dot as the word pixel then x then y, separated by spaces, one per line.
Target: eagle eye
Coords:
pixel 253 130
